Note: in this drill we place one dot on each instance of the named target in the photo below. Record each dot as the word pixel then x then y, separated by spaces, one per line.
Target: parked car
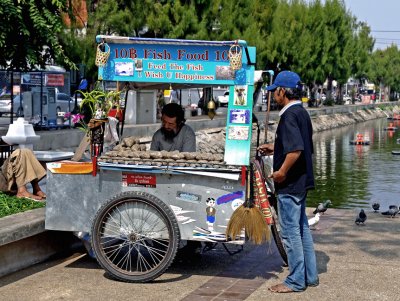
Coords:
pixel 18 109
pixel 223 99
pixel 5 105
pixel 346 99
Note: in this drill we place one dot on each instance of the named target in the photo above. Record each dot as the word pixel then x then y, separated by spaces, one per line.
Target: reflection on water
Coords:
pixel 357 175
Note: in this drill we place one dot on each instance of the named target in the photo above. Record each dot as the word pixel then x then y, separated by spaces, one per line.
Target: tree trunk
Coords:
pixel 329 89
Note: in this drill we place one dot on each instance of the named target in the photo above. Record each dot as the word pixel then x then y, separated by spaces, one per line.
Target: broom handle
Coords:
pixel 249 202
pixel 268 108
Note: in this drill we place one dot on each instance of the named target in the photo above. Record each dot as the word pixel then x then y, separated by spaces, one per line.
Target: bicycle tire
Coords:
pixel 275 228
pixel 135 237
pixel 277 237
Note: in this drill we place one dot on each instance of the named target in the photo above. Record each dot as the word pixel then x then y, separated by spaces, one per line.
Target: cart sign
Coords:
pixel 171 61
pixel 134 180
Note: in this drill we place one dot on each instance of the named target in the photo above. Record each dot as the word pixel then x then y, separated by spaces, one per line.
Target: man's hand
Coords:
pixel 278 176
pixel 266 149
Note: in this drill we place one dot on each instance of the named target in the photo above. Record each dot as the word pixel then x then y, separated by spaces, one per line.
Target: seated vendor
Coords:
pixel 174 134
pixel 21 168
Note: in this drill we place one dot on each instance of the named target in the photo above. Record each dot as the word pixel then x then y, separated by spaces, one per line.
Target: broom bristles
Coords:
pixel 256 227
pixel 236 222
pixel 252 220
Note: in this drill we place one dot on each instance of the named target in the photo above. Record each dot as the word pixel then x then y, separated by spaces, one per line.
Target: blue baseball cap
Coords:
pixel 285 79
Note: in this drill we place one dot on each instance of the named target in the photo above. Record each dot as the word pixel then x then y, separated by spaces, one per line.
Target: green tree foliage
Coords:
pixel 337 43
pixel 364 44
pixel 385 68
pixel 291 41
pixel 29 34
pixel 318 39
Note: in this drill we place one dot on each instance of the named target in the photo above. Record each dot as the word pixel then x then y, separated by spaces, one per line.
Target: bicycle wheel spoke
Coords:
pixel 123 257
pixel 154 253
pixel 143 259
pixel 114 252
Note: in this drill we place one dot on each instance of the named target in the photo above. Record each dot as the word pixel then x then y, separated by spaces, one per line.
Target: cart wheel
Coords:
pixel 135 237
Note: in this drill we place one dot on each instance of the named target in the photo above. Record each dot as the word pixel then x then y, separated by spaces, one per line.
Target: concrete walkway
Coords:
pixel 354 262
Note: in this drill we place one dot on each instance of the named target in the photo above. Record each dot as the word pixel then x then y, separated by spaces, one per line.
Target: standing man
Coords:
pixel 174 134
pixel 293 177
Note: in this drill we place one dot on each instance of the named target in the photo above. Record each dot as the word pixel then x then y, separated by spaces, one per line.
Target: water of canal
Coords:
pixel 355 176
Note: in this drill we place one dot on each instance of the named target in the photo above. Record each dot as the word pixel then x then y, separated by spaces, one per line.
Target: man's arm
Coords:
pixel 280 175
pixel 154 146
pixel 189 143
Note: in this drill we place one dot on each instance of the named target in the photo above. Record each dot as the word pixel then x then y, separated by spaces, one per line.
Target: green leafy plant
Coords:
pixel 10 204
pixel 96 104
pixel 100 102
pixel 329 102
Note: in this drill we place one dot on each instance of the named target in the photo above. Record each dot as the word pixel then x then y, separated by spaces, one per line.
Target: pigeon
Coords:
pixel 322 207
pixel 312 222
pixel 393 210
pixel 361 218
pixel 375 206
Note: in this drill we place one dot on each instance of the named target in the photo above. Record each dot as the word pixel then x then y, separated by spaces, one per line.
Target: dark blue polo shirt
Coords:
pixel 294 133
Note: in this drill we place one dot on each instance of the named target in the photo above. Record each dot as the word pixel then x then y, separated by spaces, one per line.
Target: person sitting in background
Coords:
pixel 174 134
pixel 19 169
pixel 3 91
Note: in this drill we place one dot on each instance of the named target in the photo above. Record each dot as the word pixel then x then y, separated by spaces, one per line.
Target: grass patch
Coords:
pixel 10 205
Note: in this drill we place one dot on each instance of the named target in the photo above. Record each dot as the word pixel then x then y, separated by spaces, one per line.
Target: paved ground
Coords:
pixel 354 262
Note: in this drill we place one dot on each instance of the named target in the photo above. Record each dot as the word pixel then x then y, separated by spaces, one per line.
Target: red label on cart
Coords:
pixel 133 180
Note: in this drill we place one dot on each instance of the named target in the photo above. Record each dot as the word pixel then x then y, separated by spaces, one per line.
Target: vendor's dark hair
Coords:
pixel 174 110
pixel 294 93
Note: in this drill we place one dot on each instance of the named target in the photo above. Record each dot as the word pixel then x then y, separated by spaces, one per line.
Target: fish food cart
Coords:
pixel 141 203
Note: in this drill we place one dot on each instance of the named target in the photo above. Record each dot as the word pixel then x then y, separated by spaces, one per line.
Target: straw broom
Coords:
pixel 249 217
pixel 236 222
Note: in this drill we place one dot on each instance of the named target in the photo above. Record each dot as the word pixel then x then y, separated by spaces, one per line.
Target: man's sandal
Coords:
pixel 280 288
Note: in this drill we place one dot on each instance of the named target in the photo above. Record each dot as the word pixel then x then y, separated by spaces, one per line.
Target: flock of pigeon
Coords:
pixel 391 212
pixel 360 219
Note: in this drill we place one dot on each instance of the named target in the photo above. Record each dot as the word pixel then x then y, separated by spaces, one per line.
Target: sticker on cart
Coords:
pixel 226 198
pixel 239 116
pixel 238 132
pixel 124 68
pixel 236 204
pixel 179 213
pixel 135 180
pixel 211 211
pixel 187 196
pixel 240 96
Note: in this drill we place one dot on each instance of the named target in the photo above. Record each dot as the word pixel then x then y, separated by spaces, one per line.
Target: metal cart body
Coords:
pixel 172 203
pixel 184 191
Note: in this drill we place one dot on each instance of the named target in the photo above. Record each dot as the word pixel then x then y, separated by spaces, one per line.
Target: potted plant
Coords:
pixel 93 114
pixel 95 107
